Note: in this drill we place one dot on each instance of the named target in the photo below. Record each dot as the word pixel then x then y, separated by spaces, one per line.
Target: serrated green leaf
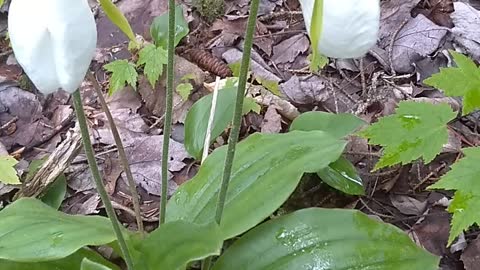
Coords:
pixel 463 177
pixel 334 239
pixel 91 265
pixel 416 130
pixel 153 58
pixel 71 262
pixel 117 18
pixel 159 28
pixel 33 231
pixel 187 77
pixel 271 86
pixel 235 68
pixel 183 242
pixel 267 166
pixel 8 173
pixel 184 90
pixel 123 72
pixel 463 80
pixel 250 105
pixel 56 192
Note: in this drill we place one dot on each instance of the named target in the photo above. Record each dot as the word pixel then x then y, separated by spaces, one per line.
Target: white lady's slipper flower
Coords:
pixel 349 29
pixel 53 40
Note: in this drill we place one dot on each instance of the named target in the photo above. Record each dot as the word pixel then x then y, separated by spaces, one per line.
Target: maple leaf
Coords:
pixel 463 177
pixel 463 80
pixel 123 72
pixel 417 129
pixel 7 167
pixel 153 58
pixel 184 90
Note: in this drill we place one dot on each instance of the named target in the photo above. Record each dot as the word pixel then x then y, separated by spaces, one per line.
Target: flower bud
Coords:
pixel 53 40
pixel 349 29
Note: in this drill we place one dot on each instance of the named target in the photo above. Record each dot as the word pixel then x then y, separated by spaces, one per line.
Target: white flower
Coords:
pixel 53 40
pixel 350 27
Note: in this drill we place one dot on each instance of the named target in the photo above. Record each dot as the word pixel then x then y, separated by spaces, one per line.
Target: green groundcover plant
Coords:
pixel 239 186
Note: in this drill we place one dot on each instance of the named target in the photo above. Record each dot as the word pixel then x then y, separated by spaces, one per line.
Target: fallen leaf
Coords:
pixel 408 205
pixel 272 121
pixel 287 50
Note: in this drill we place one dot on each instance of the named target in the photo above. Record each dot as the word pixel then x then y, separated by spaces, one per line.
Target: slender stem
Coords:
pixel 87 144
pixel 168 107
pixel 121 152
pixel 237 118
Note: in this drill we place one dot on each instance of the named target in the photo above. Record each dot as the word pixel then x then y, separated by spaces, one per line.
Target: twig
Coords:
pixel 206 144
pixel 87 144
pixel 390 47
pixel 11 121
pixel 121 151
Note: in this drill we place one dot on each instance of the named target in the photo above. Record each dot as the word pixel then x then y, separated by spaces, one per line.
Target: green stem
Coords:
pixel 121 152
pixel 168 107
pixel 87 144
pixel 237 118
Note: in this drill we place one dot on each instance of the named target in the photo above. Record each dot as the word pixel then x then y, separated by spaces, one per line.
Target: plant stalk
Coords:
pixel 121 153
pixel 237 118
pixel 87 144
pixel 168 107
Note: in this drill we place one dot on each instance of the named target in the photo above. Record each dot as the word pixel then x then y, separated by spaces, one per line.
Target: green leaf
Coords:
pixel 184 90
pixel 7 167
pixel 33 168
pixel 196 121
pixel 117 18
pixel 463 80
pixel 90 265
pixel 175 244
pixel 338 125
pixel 250 105
pixel 463 177
pixel 71 262
pixel 343 176
pixel 32 231
pixel 56 192
pixel 159 28
pixel 153 58
pixel 340 174
pixel 235 67
pixel 271 86
pixel 266 170
pixel 1 3
pixel 417 129
pixel 317 61
pixel 123 72
pixel 331 239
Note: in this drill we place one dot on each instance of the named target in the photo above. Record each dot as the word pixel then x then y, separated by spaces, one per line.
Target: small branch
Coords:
pixel 121 152
pixel 167 126
pixel 87 144
pixel 206 144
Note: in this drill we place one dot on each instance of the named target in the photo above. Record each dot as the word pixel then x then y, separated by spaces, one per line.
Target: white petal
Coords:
pixel 350 27
pixel 53 40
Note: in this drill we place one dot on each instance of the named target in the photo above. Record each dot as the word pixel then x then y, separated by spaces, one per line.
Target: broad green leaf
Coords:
pixel 8 173
pixel 159 28
pixel 117 18
pixel 56 192
pixel 175 244
pixel 342 176
pixel 266 170
pixel 463 80
pixel 184 90
pixel 72 262
pixel 123 72
pixel 416 130
pixel 463 177
pixel 33 231
pixel 338 125
pixel 91 265
pixel 196 121
pixel 333 239
pixel 153 58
